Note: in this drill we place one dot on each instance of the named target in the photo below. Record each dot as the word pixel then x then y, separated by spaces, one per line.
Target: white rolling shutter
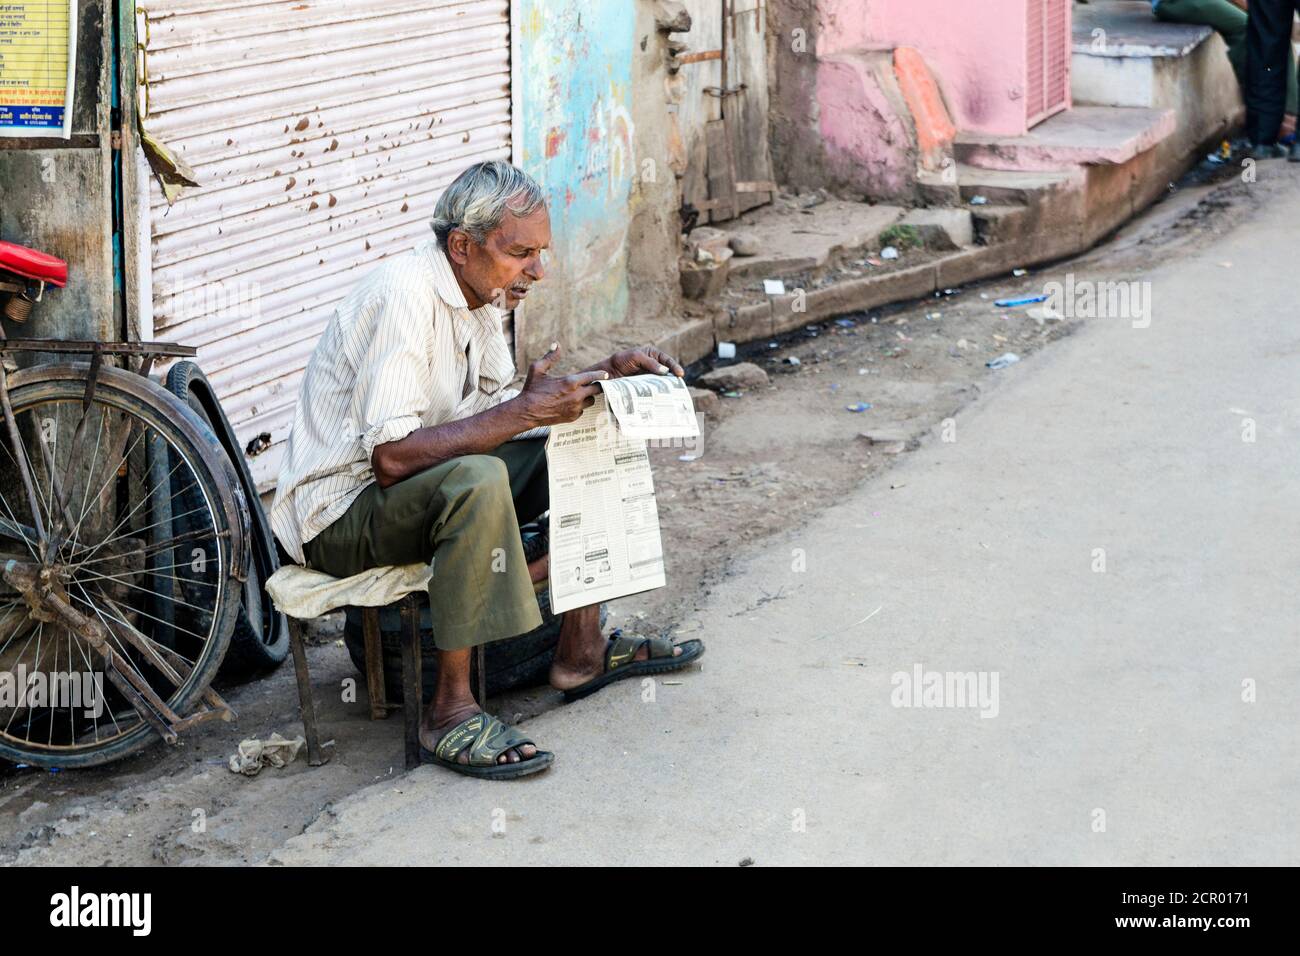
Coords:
pixel 321 133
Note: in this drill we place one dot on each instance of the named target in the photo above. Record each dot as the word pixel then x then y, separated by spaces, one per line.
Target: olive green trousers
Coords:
pixel 463 516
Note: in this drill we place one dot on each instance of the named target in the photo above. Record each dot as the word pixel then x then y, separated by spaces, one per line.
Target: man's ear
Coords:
pixel 458 246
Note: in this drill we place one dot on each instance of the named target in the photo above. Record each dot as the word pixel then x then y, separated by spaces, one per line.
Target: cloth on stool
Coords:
pixel 303 593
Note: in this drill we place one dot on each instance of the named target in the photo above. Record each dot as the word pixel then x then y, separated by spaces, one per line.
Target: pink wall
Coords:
pixel 975 48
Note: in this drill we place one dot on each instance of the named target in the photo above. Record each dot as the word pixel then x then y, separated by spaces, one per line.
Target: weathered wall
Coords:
pixel 595 134
pixel 654 289
pixel 837 115
pixel 976 50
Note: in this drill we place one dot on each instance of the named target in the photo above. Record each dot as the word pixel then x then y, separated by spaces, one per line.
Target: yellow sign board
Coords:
pixel 38 55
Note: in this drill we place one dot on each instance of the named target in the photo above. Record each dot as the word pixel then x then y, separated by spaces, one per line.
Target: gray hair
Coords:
pixel 479 198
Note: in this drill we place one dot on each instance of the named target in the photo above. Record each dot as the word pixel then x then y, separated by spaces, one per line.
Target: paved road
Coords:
pixel 1119 692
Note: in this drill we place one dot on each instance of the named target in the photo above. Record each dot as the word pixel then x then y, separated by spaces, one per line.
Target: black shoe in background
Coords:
pixel 1271 151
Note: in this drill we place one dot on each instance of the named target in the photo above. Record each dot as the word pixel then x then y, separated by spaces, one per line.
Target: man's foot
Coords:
pixel 432 732
pixel 1293 154
pixel 589 664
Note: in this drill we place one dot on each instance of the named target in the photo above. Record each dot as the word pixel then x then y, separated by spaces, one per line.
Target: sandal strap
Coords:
pixel 623 649
pixel 495 740
pixel 486 738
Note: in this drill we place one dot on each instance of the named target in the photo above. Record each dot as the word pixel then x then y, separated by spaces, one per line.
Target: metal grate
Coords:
pixel 322 134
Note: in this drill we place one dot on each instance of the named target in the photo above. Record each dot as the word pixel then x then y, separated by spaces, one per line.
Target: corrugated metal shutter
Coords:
pixel 322 134
pixel 1047 59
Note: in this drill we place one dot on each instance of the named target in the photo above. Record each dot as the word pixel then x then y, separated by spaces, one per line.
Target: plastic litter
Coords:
pixel 774 286
pixel 792 360
pixel 845 323
pixel 979 200
pixel 1022 300
pixel 857 407
pixel 726 350
pixel 1019 272
pixel 889 252
pixel 1003 360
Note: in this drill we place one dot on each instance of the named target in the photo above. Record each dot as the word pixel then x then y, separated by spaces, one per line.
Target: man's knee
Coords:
pixel 481 478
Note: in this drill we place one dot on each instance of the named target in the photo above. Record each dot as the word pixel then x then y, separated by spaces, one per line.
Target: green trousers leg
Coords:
pixel 464 517
pixel 1230 22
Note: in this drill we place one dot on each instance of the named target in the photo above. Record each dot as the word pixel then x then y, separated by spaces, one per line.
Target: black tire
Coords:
pixel 260 641
pixel 523 661
pixel 167 416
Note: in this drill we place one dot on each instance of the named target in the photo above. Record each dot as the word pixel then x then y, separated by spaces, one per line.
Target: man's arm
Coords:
pixel 544 401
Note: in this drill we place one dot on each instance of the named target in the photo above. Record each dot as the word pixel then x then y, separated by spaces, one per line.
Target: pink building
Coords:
pixel 894 81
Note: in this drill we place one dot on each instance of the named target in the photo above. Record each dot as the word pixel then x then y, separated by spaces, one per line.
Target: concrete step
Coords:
pixel 1085 135
pixel 942 228
pixel 1010 186
pixel 1123 56
pixel 795 241
pixel 996 224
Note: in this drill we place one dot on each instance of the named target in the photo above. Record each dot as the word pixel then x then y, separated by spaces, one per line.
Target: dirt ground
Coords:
pixel 769 459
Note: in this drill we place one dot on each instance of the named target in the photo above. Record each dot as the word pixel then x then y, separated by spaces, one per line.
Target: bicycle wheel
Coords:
pixel 97 533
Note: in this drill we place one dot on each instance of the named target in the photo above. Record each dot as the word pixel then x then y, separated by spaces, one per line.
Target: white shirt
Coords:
pixel 403 351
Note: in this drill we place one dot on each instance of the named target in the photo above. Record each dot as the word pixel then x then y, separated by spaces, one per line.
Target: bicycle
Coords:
pixel 124 545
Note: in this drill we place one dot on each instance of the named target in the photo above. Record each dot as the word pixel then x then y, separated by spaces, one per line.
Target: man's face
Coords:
pixel 509 261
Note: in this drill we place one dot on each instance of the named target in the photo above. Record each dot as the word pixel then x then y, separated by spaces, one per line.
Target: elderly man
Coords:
pixel 409 446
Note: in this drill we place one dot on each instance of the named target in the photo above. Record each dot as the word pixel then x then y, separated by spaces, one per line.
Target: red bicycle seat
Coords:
pixel 31 264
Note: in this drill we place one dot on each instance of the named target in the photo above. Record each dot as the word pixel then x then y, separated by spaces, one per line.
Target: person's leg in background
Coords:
pixel 1268 47
pixel 1230 22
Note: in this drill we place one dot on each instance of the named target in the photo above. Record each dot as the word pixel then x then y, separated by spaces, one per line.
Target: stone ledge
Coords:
pixel 1131 30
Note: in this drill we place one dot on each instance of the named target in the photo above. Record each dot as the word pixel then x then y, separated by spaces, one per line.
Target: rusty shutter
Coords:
pixel 1047 59
pixel 321 135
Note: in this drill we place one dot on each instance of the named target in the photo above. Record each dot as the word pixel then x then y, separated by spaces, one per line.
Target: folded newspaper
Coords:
pixel 604 526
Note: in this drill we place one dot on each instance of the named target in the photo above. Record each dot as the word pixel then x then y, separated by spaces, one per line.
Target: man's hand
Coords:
pixel 639 362
pixel 554 401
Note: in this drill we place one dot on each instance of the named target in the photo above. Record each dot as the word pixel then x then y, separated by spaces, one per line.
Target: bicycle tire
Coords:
pixel 260 641
pixel 157 408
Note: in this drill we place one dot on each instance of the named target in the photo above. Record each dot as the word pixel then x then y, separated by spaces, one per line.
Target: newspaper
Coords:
pixel 604 526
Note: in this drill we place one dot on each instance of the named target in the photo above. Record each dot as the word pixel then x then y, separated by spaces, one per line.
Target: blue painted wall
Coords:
pixel 577 132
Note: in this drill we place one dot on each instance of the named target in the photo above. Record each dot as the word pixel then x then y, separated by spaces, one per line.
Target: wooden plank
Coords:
pixel 746 110
pixel 695 109
pixel 722 184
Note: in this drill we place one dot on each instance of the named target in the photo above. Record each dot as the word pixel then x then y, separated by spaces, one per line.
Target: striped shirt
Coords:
pixel 403 351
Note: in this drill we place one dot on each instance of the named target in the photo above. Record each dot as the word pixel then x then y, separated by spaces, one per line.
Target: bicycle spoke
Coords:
pixel 90 479
pixel 175 627
pixel 113 535
pixel 111 475
pixel 162 567
pixel 159 546
pixel 112 612
pixel 31 546
pixel 137 587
